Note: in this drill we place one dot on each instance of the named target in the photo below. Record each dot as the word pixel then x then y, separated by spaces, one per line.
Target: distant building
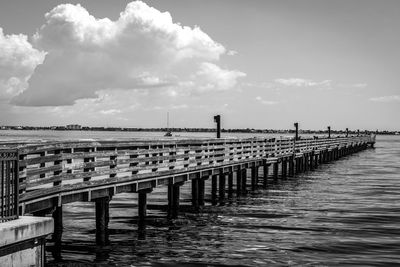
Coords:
pixel 73 127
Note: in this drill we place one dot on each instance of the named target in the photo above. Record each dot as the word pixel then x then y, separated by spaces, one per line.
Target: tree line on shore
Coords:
pixel 238 130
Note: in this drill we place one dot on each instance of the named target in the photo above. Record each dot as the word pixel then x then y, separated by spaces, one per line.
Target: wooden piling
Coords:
pixel 221 187
pixel 102 206
pixel 173 200
pixel 254 177
pixel 265 174
pixel 311 158
pixel 201 191
pixel 291 166
pixel 214 185
pixel 275 170
pixel 195 193
pixel 142 203
pixel 230 184
pixel 283 167
pixel 239 182
pixel 244 181
pixel 58 224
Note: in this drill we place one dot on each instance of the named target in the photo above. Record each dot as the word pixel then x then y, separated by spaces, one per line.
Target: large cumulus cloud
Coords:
pixel 142 49
pixel 18 60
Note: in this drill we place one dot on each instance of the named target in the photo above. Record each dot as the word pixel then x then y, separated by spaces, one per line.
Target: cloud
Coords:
pixel 212 77
pixel 18 59
pixel 359 85
pixel 299 82
pixel 181 106
pixel 265 102
pixel 386 99
pixel 110 111
pixel 354 85
pixel 232 53
pixel 142 49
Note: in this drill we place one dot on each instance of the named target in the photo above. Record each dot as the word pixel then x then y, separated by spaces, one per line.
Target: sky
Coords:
pixel 259 64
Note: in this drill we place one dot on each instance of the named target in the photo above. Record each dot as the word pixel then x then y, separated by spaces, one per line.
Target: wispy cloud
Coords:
pixel 386 99
pixel 300 82
pixel 353 85
pixel 231 53
pixel 266 102
pixel 110 111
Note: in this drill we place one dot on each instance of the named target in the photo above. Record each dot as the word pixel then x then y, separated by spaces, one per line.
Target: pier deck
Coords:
pixel 55 173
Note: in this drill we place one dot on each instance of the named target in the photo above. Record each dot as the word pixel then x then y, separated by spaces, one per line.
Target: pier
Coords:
pixel 52 174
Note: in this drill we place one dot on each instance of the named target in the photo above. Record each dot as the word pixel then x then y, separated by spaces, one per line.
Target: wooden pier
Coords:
pixel 52 174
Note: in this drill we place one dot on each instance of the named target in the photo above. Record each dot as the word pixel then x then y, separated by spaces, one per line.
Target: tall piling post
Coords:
pixel 329 131
pixel 217 119
pixel 296 125
pixel 347 132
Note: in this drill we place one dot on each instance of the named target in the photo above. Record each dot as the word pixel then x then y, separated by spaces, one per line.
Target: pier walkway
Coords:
pixel 52 174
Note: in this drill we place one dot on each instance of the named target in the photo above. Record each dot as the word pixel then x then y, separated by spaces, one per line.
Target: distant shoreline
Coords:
pixel 199 130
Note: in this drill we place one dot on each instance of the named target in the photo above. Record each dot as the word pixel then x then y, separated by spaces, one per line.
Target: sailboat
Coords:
pixel 169 132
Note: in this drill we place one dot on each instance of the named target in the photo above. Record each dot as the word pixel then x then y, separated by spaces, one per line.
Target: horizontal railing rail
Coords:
pixel 47 168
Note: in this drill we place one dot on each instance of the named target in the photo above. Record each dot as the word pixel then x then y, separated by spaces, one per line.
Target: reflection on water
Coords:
pixel 344 213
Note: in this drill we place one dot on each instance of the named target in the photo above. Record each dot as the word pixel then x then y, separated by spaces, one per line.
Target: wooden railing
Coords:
pixel 48 168
pixel 54 166
pixel 8 185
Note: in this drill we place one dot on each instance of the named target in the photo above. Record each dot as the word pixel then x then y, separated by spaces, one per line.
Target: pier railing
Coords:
pixel 8 185
pixel 50 168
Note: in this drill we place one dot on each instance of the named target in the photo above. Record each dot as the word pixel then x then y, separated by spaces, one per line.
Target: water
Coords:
pixel 344 213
